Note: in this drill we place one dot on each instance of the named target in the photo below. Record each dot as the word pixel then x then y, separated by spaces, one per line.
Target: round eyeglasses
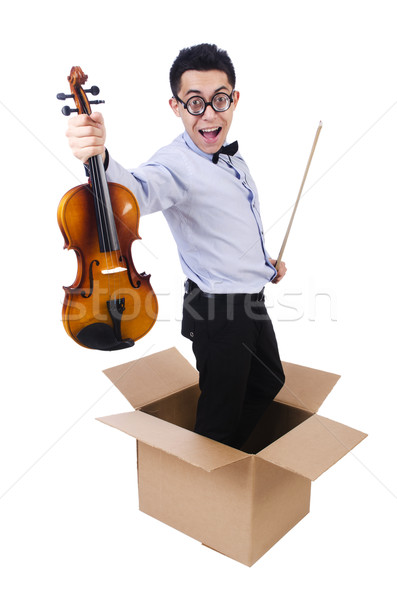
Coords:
pixel 196 105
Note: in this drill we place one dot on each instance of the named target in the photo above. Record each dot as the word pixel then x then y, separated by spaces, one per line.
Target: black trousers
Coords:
pixel 238 361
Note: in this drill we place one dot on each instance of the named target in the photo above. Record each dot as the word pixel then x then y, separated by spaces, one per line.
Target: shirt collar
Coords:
pixel 189 142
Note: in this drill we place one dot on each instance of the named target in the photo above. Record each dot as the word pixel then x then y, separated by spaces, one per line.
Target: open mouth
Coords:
pixel 210 134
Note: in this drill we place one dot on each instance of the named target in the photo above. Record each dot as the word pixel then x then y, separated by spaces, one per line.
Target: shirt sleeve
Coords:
pixel 156 185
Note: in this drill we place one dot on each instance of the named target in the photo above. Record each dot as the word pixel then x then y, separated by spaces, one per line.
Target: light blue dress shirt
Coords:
pixel 212 211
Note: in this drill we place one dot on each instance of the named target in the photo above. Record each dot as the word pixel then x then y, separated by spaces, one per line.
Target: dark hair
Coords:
pixel 203 57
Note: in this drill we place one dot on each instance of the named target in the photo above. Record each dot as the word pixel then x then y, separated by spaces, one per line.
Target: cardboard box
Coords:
pixel 238 503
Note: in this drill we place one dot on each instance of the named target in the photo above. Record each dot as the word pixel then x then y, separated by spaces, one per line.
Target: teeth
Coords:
pixel 213 129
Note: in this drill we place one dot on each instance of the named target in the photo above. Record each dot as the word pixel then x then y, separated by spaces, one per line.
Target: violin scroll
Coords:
pixel 77 79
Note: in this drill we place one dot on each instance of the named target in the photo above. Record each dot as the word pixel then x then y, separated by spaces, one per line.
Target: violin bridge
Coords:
pixel 112 271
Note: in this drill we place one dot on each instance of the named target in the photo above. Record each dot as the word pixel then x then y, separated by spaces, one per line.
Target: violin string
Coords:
pixel 109 233
pixel 114 278
pixel 96 190
pixel 103 223
pixel 106 225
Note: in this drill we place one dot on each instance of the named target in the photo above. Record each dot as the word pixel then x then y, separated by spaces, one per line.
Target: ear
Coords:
pixel 174 105
pixel 236 98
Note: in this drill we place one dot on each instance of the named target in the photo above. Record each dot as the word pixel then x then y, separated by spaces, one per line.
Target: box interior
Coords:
pixel 180 409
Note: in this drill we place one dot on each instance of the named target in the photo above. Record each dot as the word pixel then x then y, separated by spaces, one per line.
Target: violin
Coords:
pixel 110 305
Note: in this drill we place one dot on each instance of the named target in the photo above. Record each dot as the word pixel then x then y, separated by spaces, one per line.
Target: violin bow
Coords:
pixel 278 262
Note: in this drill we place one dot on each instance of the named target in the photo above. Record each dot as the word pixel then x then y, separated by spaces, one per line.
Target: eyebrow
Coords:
pixel 223 87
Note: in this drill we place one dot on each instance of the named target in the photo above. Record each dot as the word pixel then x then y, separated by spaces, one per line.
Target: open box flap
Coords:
pixel 312 447
pixel 305 387
pixel 156 376
pixel 177 441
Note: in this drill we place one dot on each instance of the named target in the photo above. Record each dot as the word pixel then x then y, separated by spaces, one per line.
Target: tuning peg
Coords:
pixel 96 101
pixel 94 90
pixel 66 110
pixel 64 96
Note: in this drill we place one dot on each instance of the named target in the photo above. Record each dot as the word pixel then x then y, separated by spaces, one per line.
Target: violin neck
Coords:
pixel 107 232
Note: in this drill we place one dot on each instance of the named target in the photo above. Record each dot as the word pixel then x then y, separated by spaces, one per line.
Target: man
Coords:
pixel 211 205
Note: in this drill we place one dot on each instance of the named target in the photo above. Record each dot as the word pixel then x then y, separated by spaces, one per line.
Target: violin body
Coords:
pixel 109 305
pixel 104 277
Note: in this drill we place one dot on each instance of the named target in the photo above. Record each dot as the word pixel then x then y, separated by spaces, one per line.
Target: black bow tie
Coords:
pixel 230 149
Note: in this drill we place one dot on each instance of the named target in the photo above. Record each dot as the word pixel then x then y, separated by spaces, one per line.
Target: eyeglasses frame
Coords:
pixel 185 104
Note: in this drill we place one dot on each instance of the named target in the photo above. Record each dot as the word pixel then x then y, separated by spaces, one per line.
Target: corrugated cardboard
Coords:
pixel 239 503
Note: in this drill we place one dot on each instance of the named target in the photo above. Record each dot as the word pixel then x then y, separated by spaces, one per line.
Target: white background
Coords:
pixel 69 521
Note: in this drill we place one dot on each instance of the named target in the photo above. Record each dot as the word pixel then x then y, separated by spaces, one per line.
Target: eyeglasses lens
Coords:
pixel 220 102
pixel 196 105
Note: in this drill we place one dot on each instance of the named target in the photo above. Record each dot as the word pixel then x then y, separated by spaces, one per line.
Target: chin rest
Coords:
pixel 99 336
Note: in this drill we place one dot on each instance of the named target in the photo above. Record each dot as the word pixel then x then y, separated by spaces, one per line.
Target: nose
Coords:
pixel 209 113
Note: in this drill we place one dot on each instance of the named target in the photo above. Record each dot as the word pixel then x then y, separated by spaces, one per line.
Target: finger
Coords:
pixel 97 117
pixel 83 132
pixel 85 125
pixel 85 147
pixel 87 144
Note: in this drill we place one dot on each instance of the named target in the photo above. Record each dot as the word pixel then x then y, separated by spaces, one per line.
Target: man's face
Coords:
pixel 209 130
